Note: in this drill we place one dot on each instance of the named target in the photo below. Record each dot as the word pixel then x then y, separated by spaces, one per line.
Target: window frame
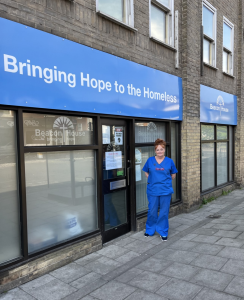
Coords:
pixel 212 41
pixel 169 31
pixel 230 52
pixel 215 141
pixel 129 21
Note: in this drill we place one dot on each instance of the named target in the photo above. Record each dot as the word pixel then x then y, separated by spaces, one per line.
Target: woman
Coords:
pixel 159 170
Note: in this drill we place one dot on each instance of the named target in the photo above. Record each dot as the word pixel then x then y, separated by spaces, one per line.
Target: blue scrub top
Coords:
pixel 159 181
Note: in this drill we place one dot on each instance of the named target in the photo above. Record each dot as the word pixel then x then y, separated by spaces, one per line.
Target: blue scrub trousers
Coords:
pixel 155 222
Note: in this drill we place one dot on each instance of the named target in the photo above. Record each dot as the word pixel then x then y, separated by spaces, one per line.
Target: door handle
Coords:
pixel 128 175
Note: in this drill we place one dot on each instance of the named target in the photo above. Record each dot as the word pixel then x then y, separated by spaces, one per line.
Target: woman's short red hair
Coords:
pixel 159 142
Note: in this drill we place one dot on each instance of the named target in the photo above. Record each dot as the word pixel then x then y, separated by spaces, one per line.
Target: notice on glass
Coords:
pixel 138 155
pixel 106 134
pixel 138 172
pixel 113 160
pixel 118 138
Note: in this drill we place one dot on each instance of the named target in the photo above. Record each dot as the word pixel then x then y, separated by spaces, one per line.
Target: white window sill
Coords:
pixel 228 74
pixel 116 21
pixel 163 43
pixel 210 66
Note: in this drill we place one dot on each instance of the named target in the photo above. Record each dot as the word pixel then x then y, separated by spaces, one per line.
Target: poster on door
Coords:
pixel 118 136
pixel 113 160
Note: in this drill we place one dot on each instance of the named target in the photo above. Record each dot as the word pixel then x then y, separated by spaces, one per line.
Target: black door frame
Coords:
pixel 123 228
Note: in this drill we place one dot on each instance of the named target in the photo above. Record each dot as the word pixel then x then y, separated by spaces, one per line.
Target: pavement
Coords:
pixel 203 259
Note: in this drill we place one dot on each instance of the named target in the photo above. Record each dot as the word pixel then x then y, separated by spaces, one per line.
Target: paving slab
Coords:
pixel 53 290
pixel 231 252
pixel 206 239
pixel 228 234
pixel 84 280
pixel 209 262
pixel 139 246
pixel 87 259
pixel 180 271
pixel 207 249
pixel 127 257
pixel 124 241
pixel 113 291
pixel 224 226
pixel 179 290
pixel 184 257
pixel 189 237
pixel 212 279
pixel 154 265
pixel 230 242
pixel 183 245
pixel 236 287
pixel 205 231
pixel 129 275
pixel 149 281
pixel 234 267
pixel 69 272
pixel 102 265
pixel 16 294
pixel 209 294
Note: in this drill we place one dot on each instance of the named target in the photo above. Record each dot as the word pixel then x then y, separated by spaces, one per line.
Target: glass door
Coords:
pixel 116 179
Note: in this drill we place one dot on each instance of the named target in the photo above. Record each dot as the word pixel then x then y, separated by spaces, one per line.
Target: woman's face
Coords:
pixel 160 151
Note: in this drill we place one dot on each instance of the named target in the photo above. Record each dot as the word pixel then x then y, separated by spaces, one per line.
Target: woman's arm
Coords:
pixel 173 176
pixel 146 174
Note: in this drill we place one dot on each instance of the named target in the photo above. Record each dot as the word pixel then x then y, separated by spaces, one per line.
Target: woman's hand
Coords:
pixel 146 174
pixel 173 176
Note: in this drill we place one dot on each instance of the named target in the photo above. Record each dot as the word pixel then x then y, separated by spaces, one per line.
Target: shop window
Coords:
pixel 145 135
pixel 56 130
pixel 61 196
pixel 209 33
pixel 216 155
pixel 121 10
pixel 162 21
pixel 10 245
pixel 228 46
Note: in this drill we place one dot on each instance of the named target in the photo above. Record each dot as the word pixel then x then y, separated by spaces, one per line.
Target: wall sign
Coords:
pixel 38 69
pixel 217 106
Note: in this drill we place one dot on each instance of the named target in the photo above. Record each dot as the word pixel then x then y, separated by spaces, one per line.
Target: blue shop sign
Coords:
pixel 38 69
pixel 217 106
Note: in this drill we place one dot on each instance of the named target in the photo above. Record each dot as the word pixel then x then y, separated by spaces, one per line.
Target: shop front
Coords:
pixel 218 116
pixel 76 127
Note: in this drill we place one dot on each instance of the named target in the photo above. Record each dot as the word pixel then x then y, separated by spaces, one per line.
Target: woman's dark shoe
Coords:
pixel 164 238
pixel 146 234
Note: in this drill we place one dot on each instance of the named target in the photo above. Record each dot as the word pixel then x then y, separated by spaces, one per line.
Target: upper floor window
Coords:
pixel 209 16
pixel 162 21
pixel 121 10
pixel 228 46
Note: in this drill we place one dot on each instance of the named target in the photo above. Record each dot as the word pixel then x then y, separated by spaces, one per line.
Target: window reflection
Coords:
pixel 148 132
pixel 207 22
pixel 222 163
pixel 222 133
pixel 206 51
pixel 207 166
pixel 227 36
pixel 158 23
pixel 225 61
pixel 115 9
pixel 207 132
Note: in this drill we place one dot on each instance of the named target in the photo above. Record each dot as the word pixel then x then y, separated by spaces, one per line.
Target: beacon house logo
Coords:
pixel 63 123
pixel 220 105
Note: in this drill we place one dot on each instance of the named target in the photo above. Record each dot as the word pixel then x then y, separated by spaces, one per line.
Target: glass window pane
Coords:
pixel 221 163
pixel 141 155
pixel 208 18
pixel 52 130
pixel 227 36
pixel 9 201
pixel 148 132
pixel 225 62
pixel 158 23
pixel 222 133
pixel 231 158
pixel 115 209
pixel 113 8
pixel 165 2
pixel 207 132
pixel 206 51
pixel 207 166
pixel 61 196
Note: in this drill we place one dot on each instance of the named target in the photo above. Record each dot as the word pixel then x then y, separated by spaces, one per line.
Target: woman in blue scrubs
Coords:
pixel 159 170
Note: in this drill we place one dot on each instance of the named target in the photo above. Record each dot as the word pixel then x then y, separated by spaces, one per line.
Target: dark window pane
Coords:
pixel 221 163
pixel 207 166
pixel 52 130
pixel 61 196
pixel 148 132
pixel 207 132
pixel 10 247
pixel 231 158
pixel 222 133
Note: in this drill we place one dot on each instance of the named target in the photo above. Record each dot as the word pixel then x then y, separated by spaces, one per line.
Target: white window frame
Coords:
pixel 129 15
pixel 212 41
pixel 230 52
pixel 169 40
